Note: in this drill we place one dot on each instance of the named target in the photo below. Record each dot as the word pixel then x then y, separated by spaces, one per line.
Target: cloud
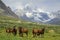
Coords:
pixel 47 5
pixel 29 15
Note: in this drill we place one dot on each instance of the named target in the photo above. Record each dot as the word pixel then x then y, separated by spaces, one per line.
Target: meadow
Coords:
pixel 6 22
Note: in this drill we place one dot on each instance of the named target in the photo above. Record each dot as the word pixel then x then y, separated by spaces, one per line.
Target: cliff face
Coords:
pixel 6 10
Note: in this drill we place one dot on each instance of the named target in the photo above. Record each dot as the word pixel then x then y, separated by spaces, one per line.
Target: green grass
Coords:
pixel 47 36
pixel 10 22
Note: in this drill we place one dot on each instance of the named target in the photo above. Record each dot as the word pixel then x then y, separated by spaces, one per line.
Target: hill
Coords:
pixel 4 10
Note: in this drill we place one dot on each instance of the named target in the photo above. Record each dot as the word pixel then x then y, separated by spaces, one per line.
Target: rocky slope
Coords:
pixel 4 10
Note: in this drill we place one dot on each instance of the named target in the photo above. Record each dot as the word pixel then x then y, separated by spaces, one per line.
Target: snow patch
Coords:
pixel 29 15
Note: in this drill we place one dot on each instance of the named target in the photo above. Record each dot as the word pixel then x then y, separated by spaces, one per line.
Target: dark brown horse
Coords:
pixel 11 30
pixel 8 30
pixel 38 32
pixel 23 30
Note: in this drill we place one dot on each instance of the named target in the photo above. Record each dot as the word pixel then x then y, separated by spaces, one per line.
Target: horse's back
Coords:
pixel 24 30
pixel 35 31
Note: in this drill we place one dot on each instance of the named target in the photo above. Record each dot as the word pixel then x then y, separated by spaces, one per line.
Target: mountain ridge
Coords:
pixel 37 15
pixel 7 10
pixel 33 14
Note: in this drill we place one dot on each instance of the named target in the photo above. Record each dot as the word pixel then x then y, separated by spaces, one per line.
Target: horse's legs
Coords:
pixel 27 33
pixel 21 34
pixel 38 34
pixel 42 35
pixel 34 34
pixel 15 33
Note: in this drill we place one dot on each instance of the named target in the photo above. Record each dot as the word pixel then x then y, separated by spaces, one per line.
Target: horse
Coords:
pixel 23 30
pixel 12 30
pixel 38 32
pixel 8 30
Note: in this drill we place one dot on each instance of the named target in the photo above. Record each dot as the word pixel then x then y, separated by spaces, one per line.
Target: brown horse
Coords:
pixel 23 30
pixel 11 30
pixel 8 30
pixel 38 32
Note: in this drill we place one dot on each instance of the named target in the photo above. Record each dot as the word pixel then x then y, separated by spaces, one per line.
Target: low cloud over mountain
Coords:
pixel 56 20
pixel 35 15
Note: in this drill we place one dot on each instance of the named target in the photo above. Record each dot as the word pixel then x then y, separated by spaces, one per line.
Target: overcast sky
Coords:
pixel 46 5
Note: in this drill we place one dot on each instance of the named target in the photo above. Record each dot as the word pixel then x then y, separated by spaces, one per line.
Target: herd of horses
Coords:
pixel 21 30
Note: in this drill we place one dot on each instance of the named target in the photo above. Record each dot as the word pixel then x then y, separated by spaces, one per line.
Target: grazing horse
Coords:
pixel 8 30
pixel 12 30
pixel 38 32
pixel 23 30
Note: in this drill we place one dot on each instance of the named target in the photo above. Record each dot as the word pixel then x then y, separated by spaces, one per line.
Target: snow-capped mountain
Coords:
pixel 56 20
pixel 35 15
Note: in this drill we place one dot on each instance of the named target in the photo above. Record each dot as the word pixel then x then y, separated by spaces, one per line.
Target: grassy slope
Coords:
pixel 10 22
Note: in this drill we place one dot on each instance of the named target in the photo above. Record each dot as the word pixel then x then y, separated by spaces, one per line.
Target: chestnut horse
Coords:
pixel 23 30
pixel 38 32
